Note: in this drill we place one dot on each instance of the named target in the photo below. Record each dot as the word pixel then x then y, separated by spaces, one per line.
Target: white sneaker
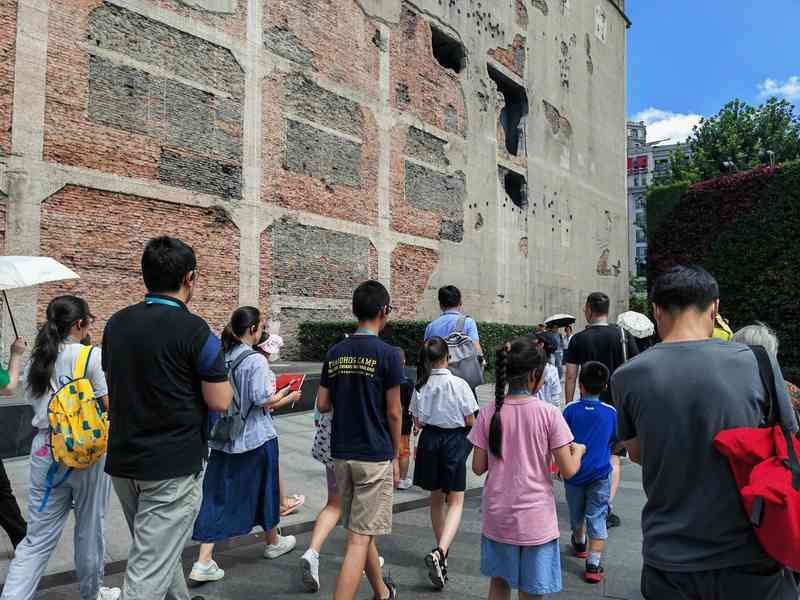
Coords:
pixel 109 593
pixel 285 545
pixel 381 562
pixel 309 565
pixel 405 484
pixel 204 573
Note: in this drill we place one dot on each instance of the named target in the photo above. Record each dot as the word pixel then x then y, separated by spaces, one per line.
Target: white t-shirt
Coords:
pixel 551 390
pixel 444 401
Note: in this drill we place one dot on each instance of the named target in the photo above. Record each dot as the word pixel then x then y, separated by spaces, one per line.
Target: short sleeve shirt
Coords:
pixel 594 424
pixel 156 355
pixel 358 372
pixel 519 507
pixel 63 371
pixel 446 324
pixel 444 401
pixel 551 390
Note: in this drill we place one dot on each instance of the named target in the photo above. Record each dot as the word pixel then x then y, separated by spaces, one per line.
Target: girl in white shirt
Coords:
pixel 444 409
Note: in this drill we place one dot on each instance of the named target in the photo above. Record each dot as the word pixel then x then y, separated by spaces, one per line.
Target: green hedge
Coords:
pixel 660 201
pixel 744 230
pixel 316 337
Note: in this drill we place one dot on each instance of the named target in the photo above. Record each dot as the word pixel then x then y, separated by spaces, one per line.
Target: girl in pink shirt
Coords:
pixel 514 440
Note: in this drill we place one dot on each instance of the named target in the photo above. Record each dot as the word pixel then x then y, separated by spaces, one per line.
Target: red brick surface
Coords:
pixel 412 267
pixel 512 57
pixel 101 236
pixel 8 48
pixel 432 89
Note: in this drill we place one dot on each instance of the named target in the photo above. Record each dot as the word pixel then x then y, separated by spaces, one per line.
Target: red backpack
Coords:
pixel 767 472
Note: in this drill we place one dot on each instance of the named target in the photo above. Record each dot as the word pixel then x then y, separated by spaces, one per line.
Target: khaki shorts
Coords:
pixel 367 490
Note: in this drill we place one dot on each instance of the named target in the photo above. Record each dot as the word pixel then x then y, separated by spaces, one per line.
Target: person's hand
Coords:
pixel 396 472
pixel 18 347
pixel 577 449
pixel 293 397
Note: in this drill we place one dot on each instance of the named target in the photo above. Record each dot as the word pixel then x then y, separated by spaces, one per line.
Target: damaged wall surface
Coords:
pixel 302 147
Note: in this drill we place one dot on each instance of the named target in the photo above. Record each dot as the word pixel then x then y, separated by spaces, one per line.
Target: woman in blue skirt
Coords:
pixel 241 488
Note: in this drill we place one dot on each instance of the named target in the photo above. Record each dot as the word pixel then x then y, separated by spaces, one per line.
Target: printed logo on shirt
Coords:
pixel 352 365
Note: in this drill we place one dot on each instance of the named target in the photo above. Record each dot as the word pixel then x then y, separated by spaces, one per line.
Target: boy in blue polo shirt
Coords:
pixel 593 424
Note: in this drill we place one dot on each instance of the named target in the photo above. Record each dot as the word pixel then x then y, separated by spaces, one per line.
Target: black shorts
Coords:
pixel 737 583
pixel 441 462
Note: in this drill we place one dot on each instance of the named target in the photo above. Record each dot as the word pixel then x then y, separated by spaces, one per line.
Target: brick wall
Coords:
pixel 8 48
pixel 412 267
pixel 101 236
pixel 514 56
pixel 233 22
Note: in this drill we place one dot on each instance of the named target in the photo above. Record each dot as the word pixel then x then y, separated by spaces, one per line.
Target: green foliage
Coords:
pixel 660 202
pixel 316 337
pixel 741 133
pixel 743 229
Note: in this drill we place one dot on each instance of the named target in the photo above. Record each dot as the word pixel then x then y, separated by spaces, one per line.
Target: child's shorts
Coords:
pixel 589 504
pixel 535 570
pixel 441 462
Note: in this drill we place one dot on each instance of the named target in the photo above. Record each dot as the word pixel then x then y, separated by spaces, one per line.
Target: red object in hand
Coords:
pixel 293 381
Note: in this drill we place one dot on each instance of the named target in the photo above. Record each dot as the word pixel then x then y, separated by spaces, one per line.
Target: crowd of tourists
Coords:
pixel 184 434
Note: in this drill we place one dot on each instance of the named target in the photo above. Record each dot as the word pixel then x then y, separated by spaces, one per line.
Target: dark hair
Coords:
pixel 599 303
pixel 449 297
pixel 792 375
pixel 62 313
pixel 681 288
pixel 433 350
pixel 165 263
pixel 515 361
pixel 241 321
pixel 594 377
pixel 548 343
pixel 369 300
pixel 568 327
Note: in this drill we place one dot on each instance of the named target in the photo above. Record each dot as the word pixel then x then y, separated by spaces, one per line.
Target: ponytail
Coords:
pixel 241 321
pixel 433 351
pixel 501 376
pixel 62 313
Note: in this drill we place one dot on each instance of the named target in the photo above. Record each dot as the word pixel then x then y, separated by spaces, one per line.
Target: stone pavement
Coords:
pixel 250 577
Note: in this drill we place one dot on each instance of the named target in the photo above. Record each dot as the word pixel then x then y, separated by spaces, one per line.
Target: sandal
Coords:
pixel 295 502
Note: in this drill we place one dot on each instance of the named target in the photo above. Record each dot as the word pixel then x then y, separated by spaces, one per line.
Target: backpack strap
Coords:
pixel 236 396
pixel 82 362
pixel 50 485
pixel 624 344
pixel 768 382
pixel 461 324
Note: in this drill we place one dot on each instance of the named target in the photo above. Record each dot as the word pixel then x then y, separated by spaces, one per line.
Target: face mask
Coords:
pixel 264 337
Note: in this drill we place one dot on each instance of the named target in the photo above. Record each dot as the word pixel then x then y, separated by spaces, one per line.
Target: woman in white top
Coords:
pixel 55 490
pixel 444 408
pixel 550 392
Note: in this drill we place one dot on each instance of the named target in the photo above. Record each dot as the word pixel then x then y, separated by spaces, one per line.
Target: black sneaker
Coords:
pixel 389 582
pixel 579 549
pixel 613 520
pixel 437 569
pixel 594 573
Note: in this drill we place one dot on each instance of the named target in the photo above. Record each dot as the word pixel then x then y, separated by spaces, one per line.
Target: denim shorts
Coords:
pixel 535 570
pixel 589 504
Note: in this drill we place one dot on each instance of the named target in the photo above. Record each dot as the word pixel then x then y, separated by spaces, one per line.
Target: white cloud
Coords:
pixel 666 125
pixel 789 89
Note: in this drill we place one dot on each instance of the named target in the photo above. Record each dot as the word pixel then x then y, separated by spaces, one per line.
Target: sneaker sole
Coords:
pixel 310 584
pixel 593 578
pixel 196 581
pixel 437 579
pixel 580 554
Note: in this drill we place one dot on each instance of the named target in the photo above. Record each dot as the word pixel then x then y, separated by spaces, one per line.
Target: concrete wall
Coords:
pixel 304 146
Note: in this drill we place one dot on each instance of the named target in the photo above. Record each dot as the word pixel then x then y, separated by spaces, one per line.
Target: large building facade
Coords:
pixel 302 146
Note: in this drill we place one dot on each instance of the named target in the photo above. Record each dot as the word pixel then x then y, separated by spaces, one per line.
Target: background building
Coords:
pixel 304 146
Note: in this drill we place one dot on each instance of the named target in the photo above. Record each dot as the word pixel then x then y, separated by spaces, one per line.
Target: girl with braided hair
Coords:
pixel 514 439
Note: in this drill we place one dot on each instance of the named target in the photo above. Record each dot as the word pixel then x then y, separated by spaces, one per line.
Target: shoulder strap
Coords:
pixel 460 324
pixel 236 397
pixel 82 362
pixel 624 344
pixel 768 381
pixel 240 359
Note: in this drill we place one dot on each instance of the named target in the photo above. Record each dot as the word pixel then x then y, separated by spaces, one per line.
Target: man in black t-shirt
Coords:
pixel 360 381
pixel 165 371
pixel 604 343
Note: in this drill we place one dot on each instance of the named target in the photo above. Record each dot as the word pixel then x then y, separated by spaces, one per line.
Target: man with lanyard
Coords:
pixel 165 372
pixel 606 344
pixel 452 318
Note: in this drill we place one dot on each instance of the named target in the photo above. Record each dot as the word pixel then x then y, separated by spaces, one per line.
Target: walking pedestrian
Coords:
pixel 551 388
pixel 672 401
pixel 58 358
pixel 164 368
pixel 608 344
pixel 515 438
pixel 443 408
pixel 407 394
pixel 11 519
pixel 360 382
pixel 240 488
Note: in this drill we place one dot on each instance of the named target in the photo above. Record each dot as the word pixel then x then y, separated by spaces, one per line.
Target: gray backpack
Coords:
pixel 230 424
pixel 464 360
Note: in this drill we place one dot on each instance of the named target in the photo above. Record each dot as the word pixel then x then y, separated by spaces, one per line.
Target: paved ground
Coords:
pixel 251 577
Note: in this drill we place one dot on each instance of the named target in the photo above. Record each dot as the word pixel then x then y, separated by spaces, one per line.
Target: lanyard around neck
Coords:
pixel 164 301
pixel 360 331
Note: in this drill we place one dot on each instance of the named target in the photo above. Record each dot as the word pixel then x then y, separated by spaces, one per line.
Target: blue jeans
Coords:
pixel 589 504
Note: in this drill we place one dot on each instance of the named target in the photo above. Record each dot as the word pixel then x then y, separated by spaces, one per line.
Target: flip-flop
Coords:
pixel 295 502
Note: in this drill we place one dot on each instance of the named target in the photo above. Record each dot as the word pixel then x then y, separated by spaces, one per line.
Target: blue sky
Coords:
pixel 687 58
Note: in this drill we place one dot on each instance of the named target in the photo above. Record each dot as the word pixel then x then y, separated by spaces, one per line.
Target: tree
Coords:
pixel 745 135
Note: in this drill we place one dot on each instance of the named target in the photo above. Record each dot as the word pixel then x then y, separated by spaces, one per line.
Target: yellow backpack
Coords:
pixel 78 423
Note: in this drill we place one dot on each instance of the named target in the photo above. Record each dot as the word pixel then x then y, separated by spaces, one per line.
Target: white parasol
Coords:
pixel 560 320
pixel 27 271
pixel 637 324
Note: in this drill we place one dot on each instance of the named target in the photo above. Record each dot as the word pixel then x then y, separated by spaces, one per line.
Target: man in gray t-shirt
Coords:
pixel 672 400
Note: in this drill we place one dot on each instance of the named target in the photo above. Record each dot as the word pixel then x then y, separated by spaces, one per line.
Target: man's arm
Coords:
pixel 634 450
pixel 217 395
pixel 324 400
pixel 394 413
pixel 570 381
pixel 216 389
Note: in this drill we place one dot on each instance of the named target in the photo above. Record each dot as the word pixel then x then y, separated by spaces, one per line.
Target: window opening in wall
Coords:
pixel 514 116
pixel 516 187
pixel 448 52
